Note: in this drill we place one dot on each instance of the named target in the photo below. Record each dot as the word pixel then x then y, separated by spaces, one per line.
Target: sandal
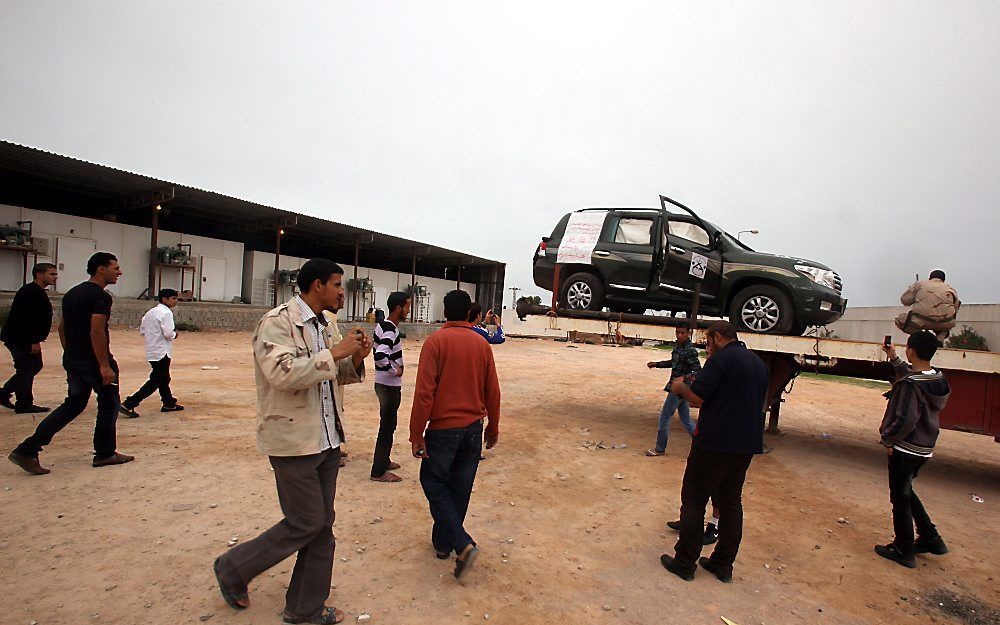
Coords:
pixel 328 616
pixel 387 477
pixel 652 452
pixel 232 597
pixel 394 465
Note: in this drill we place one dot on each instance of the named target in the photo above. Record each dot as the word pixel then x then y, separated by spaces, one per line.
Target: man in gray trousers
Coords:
pixel 301 364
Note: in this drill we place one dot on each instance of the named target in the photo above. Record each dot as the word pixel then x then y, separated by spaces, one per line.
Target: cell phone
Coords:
pixel 420 452
pixel 887 341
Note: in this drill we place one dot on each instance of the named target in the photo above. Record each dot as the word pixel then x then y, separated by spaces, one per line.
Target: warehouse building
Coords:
pixel 212 247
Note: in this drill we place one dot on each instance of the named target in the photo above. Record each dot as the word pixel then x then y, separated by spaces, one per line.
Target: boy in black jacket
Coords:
pixel 909 431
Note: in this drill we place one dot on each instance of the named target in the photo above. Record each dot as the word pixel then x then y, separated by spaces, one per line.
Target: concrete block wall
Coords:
pixel 872 323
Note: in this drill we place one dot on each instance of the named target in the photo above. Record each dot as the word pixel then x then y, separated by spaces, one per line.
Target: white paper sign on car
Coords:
pixel 699 264
pixel 582 233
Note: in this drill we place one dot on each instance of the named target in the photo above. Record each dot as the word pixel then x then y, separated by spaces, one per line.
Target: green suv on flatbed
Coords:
pixel 641 261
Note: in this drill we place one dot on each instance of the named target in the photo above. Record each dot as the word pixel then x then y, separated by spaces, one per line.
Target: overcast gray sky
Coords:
pixel 865 135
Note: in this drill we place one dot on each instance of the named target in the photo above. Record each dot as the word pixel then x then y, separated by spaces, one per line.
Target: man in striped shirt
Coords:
pixel 388 384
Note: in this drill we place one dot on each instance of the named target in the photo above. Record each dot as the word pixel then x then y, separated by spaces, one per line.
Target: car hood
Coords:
pixel 773 260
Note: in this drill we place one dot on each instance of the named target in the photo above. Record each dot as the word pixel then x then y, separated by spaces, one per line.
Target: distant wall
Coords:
pixel 872 323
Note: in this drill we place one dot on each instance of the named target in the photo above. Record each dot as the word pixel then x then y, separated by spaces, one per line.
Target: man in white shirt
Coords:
pixel 158 329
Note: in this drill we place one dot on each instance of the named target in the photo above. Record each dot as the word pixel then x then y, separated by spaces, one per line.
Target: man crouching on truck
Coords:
pixel 909 430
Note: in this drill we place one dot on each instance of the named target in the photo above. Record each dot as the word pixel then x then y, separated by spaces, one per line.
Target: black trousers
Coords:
pixel 26 367
pixel 388 406
pixel 719 477
pixel 159 380
pixel 906 506
pixel 307 486
pixel 81 381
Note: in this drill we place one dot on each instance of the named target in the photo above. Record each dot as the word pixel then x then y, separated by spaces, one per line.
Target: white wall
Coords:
pixel 129 243
pixel 260 265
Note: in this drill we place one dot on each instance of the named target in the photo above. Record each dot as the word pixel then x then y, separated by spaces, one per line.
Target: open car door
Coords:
pixel 682 238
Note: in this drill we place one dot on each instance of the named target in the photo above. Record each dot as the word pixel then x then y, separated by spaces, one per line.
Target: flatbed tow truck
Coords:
pixel 974 376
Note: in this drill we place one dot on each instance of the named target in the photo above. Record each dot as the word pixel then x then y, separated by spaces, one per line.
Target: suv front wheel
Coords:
pixel 583 291
pixel 762 308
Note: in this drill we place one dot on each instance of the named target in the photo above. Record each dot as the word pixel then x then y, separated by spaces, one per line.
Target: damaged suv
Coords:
pixel 640 259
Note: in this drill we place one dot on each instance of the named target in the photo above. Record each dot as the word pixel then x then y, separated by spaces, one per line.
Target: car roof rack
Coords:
pixel 655 210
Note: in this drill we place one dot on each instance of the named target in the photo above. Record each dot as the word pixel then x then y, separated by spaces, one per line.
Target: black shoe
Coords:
pixel 674 525
pixel 934 545
pixel 5 400
pixel 32 409
pixel 462 566
pixel 171 408
pixel 711 534
pixel 670 564
pixel 128 412
pixel 719 572
pixel 891 552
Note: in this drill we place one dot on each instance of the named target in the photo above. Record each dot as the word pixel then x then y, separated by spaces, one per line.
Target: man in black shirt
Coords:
pixel 731 391
pixel 27 326
pixel 90 367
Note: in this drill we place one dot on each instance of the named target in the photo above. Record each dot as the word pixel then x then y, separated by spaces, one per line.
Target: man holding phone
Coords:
pixel 301 364
pixel 456 388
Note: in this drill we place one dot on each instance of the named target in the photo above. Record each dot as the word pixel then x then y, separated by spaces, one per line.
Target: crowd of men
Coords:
pixel 302 362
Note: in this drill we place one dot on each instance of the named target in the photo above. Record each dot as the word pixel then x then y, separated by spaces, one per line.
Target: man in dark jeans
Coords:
pixel 731 391
pixel 909 432
pixel 388 384
pixel 27 327
pixel 90 367
pixel 456 388
pixel 158 331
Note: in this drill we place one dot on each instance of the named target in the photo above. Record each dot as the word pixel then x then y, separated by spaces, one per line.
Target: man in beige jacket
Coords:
pixel 301 363
pixel 934 305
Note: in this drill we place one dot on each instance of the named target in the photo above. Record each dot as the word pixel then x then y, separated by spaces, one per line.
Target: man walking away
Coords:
pixel 479 324
pixel 27 327
pixel 300 366
pixel 909 431
pixel 157 328
pixel 683 362
pixel 456 388
pixel 388 384
pixel 731 391
pixel 934 305
pixel 90 368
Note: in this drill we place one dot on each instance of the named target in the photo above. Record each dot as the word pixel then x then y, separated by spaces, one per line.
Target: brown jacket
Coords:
pixel 288 375
pixel 933 300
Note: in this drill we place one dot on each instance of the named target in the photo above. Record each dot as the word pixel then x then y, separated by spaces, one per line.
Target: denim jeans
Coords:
pixel 81 380
pixel 388 406
pixel 670 404
pixel 447 475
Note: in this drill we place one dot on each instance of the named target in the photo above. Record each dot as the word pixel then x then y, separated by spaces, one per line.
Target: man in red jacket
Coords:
pixel 456 388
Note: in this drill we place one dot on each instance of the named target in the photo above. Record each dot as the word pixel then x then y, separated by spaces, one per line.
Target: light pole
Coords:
pixel 513 297
pixel 746 231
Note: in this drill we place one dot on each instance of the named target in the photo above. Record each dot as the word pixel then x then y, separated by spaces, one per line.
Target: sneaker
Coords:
pixel 115 458
pixel 128 412
pixel 171 408
pixel 32 409
pixel 5 400
pixel 891 552
pixel 711 534
pixel 723 575
pixel 28 463
pixel 934 545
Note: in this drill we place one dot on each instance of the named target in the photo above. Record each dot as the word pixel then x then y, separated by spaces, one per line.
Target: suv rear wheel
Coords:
pixel 762 308
pixel 583 291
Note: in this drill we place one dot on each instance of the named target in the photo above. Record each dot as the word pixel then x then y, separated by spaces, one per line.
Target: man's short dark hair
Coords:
pixel 923 343
pixel 166 294
pixel 40 269
pixel 937 273
pixel 474 311
pixel 98 260
pixel 317 269
pixel 724 329
pixel 396 299
pixel 456 305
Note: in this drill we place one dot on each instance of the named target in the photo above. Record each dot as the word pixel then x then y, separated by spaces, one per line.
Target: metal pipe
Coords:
pixel 153 236
pixel 277 260
pixel 354 294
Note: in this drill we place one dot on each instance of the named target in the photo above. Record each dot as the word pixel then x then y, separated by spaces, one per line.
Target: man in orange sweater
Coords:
pixel 456 388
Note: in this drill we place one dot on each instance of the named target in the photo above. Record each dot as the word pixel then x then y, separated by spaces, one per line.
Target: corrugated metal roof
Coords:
pixel 31 175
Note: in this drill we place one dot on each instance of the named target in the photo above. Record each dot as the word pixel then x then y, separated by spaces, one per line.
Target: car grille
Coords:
pixel 839 283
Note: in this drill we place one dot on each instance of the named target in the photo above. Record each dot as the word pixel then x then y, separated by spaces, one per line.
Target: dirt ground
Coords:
pixel 563 539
